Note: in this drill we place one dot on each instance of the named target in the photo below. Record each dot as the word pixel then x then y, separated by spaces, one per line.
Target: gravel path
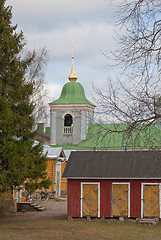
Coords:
pixel 53 209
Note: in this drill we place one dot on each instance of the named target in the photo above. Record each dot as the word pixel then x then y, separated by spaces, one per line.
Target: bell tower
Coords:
pixel 71 113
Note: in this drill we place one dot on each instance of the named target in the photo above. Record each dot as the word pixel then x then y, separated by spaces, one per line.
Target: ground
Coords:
pixel 52 224
pixel 54 208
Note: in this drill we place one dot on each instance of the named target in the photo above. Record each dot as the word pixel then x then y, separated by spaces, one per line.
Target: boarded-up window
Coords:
pixel 151 200
pixel 90 200
pixel 120 200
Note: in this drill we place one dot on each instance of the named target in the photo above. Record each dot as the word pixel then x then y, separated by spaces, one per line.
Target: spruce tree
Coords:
pixel 20 159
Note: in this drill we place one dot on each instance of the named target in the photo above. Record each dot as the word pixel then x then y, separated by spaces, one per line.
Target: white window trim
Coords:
pixel 142 197
pixel 63 116
pixel 58 181
pixel 118 183
pixel 81 207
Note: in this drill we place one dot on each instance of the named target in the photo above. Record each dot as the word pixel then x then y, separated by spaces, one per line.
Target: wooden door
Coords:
pixel 120 200
pixel 90 200
pixel 151 200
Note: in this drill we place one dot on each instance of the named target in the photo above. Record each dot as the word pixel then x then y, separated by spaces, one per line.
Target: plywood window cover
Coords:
pixel 121 183
pixel 142 197
pixel 81 208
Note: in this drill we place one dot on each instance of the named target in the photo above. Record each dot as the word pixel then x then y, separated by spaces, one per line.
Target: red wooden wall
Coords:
pixel 74 196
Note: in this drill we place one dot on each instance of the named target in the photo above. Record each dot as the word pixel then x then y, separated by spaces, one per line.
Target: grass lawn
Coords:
pixel 61 229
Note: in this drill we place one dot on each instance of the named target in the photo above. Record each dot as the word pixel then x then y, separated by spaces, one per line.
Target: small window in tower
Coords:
pixel 68 120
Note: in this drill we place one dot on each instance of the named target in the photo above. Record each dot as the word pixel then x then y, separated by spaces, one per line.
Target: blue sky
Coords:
pixel 59 24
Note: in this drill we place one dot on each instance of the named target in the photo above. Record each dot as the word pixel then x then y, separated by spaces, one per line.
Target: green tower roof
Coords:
pixel 72 93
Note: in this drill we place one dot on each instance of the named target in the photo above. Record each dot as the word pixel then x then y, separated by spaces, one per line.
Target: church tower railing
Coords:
pixel 68 130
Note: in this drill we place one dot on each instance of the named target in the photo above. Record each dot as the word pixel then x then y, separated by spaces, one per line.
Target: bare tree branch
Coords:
pixel 36 74
pixel 134 97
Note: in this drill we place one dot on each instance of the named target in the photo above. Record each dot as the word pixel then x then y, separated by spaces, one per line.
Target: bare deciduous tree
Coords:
pixel 35 74
pixel 134 97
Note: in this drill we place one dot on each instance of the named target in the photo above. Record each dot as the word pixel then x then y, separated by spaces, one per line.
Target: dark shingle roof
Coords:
pixel 114 164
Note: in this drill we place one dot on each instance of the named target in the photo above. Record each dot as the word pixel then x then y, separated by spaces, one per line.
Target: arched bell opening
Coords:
pixel 68 124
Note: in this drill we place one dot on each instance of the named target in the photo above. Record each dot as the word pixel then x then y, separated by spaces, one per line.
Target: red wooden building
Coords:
pixel 113 184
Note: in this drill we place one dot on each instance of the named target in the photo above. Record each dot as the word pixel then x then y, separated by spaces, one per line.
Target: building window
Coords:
pixel 68 124
pixel 68 121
